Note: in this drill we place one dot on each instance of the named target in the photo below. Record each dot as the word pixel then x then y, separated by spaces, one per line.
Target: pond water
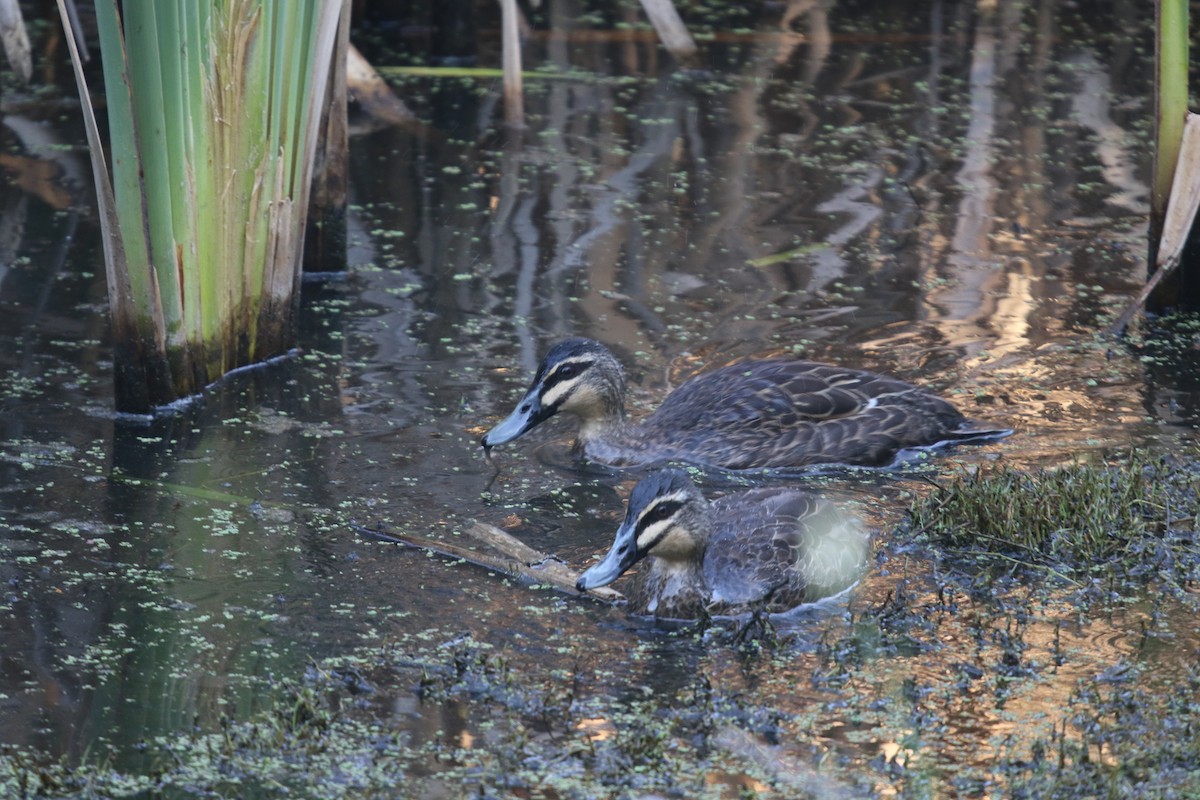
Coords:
pixel 954 193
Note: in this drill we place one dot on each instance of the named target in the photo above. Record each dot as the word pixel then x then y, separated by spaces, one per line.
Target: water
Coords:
pixel 955 196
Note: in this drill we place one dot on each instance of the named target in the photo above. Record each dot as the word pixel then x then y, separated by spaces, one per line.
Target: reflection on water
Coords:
pixel 953 196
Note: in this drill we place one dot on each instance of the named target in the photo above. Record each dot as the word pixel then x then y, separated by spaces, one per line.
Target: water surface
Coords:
pixel 953 193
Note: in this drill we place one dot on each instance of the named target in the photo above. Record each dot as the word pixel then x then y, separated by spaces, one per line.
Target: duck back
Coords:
pixel 787 413
pixel 779 548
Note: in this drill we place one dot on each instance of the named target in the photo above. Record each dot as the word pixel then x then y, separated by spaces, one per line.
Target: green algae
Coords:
pixel 490 734
pixel 486 729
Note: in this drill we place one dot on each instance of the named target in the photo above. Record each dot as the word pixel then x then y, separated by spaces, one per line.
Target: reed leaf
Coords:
pixel 1171 98
pixel 1172 205
pixel 211 110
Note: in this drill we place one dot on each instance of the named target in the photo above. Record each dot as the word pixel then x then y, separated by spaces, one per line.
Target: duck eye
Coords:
pixel 568 370
pixel 662 511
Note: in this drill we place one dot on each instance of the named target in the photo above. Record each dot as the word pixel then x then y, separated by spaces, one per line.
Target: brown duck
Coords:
pixel 773 412
pixel 766 550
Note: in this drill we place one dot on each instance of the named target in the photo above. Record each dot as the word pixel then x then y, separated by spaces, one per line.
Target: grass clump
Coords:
pixel 1137 515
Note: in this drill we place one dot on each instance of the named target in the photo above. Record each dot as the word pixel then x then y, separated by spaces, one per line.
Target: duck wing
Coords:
pixel 781 412
pixel 777 548
pixel 757 554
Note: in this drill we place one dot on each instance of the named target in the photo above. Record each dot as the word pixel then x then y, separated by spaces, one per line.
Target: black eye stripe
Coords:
pixel 661 511
pixel 563 372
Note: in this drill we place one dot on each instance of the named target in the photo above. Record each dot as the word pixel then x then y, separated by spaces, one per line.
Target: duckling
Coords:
pixel 775 412
pixel 766 550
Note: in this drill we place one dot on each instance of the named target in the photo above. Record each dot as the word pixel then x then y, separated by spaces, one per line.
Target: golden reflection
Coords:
pixel 895 753
pixel 1011 317
pixel 597 729
pixel 744 783
pixel 996 688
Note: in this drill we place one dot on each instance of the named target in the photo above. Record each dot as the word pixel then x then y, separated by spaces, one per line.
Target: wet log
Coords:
pixel 372 93
pixel 15 40
pixel 670 29
pixel 510 36
pixel 780 766
pixel 511 556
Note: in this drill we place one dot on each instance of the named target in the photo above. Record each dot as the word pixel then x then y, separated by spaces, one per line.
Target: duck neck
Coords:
pixel 674 588
pixel 609 424
pixel 689 569
pixel 614 440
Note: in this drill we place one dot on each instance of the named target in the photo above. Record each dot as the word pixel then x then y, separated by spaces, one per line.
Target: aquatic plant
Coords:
pixel 1175 188
pixel 1117 741
pixel 1171 97
pixel 213 111
pixel 491 731
pixel 1137 515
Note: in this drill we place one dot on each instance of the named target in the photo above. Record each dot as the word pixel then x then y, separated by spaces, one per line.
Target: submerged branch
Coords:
pixel 670 29
pixel 372 93
pixel 511 556
pixel 515 557
pixel 15 40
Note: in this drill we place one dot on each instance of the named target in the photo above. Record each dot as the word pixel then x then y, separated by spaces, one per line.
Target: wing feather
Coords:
pixel 778 412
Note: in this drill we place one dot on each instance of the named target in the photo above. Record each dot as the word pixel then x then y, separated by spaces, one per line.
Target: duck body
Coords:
pixel 764 550
pixel 774 412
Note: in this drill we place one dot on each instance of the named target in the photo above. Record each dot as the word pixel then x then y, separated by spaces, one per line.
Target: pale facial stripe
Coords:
pixel 556 392
pixel 650 535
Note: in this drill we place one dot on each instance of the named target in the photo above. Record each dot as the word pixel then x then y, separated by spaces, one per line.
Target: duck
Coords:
pixel 766 550
pixel 758 414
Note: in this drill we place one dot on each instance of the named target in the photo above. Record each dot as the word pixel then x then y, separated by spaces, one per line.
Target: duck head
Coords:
pixel 579 376
pixel 667 518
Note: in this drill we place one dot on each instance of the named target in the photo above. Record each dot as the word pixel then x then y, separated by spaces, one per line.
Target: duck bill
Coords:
pixel 621 556
pixel 526 415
